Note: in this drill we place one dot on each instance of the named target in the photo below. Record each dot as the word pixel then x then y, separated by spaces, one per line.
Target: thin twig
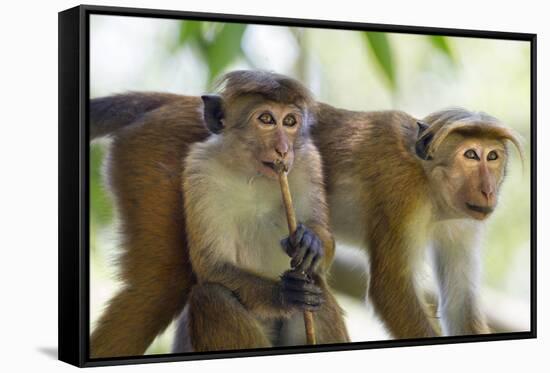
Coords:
pixel 292 226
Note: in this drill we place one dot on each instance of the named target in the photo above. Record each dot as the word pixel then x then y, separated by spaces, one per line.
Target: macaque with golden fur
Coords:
pixel 396 186
pixel 392 189
pixel 244 295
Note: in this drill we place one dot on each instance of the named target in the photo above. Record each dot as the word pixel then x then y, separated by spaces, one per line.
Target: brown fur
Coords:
pixel 373 150
pixel 402 201
pixel 240 329
pixel 144 173
pixel 237 329
pixel 271 86
pixel 151 134
pixel 227 229
pixel 364 145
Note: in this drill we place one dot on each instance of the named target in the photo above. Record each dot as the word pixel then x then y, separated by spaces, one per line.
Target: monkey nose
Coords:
pixel 488 194
pixel 282 151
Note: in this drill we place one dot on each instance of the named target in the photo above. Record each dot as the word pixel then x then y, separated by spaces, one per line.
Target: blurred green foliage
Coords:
pixel 218 43
pixel 381 48
pixel 442 44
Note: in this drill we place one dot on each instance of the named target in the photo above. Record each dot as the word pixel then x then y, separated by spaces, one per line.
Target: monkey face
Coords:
pixel 270 133
pixel 275 128
pixel 261 132
pixel 472 176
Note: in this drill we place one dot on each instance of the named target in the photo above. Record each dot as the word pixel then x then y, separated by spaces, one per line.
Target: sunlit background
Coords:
pixel 349 69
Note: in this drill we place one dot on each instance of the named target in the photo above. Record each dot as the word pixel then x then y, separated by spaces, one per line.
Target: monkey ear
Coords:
pixel 213 112
pixel 423 142
pixel 422 126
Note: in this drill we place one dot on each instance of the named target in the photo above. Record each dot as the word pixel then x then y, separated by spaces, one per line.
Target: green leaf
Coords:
pixel 189 31
pixel 441 44
pixel 381 48
pixel 224 48
pixel 218 43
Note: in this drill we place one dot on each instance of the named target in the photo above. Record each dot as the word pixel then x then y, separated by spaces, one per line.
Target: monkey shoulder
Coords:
pixel 388 143
pixel 309 163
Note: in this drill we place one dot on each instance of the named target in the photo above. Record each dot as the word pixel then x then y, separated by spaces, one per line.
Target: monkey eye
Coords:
pixel 266 118
pixel 471 154
pixel 492 155
pixel 289 121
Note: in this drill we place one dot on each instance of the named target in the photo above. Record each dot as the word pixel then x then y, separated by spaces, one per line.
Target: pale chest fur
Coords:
pixel 259 221
pixel 249 216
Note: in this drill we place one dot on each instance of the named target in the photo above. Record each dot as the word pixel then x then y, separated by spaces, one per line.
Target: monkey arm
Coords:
pixel 396 300
pixel 261 295
pixel 392 289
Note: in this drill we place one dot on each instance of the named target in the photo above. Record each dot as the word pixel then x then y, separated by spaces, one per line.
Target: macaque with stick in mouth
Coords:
pixel 247 295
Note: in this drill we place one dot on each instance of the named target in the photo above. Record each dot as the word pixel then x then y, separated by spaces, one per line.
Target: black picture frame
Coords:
pixel 74 184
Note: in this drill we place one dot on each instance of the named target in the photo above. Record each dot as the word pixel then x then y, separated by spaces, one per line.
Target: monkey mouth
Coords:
pixel 486 210
pixel 268 169
pixel 271 169
pixel 269 165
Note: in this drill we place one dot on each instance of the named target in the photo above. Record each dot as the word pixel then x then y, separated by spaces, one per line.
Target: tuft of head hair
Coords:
pixel 272 86
pixel 469 123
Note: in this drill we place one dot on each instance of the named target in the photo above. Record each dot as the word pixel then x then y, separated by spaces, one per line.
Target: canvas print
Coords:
pixel 257 186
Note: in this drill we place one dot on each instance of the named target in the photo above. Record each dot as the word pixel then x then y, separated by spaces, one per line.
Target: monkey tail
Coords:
pixel 110 113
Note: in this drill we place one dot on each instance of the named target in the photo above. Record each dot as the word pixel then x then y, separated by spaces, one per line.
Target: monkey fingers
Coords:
pixel 290 243
pixel 305 249
pixel 298 291
pixel 309 256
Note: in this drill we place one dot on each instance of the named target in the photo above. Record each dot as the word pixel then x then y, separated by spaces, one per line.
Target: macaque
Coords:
pixel 396 186
pixel 244 294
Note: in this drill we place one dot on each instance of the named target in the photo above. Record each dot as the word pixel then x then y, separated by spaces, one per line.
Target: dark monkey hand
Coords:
pixel 297 291
pixel 305 248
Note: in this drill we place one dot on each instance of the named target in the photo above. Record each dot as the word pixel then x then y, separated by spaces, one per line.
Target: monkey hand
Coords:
pixel 298 291
pixel 305 248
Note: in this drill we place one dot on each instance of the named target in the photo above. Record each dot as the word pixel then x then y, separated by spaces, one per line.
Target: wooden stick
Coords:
pixel 292 226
